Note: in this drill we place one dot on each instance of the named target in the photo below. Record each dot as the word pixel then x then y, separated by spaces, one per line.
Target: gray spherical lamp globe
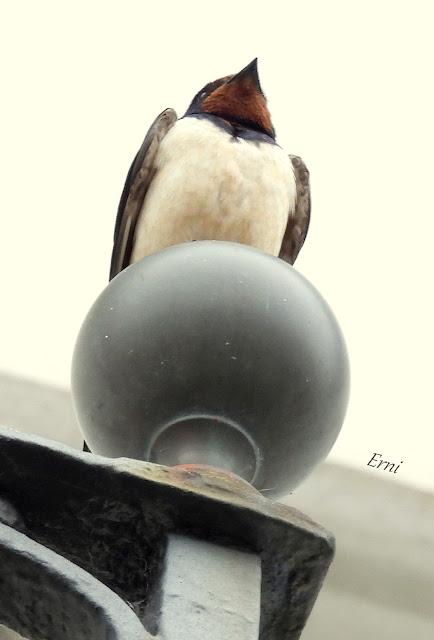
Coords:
pixel 213 353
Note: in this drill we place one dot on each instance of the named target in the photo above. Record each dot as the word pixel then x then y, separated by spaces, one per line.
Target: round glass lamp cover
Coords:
pixel 213 353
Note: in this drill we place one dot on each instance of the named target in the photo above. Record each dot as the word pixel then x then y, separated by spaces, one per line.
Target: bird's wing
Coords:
pixel 298 221
pixel 136 185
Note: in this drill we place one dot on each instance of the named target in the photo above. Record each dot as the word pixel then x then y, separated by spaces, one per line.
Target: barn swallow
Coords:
pixel 217 173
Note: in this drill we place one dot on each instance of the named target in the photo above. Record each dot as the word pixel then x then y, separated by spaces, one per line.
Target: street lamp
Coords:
pixel 206 378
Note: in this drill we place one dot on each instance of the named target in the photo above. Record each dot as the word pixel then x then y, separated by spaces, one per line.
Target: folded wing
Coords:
pixel 298 220
pixel 136 185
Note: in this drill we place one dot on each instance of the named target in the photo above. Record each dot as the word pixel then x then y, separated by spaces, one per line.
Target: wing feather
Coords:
pixel 298 221
pixel 136 185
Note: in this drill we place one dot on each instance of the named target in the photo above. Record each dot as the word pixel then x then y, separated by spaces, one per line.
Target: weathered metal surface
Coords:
pixel 113 517
pixel 45 597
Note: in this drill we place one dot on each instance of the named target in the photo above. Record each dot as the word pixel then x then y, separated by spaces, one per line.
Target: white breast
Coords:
pixel 210 186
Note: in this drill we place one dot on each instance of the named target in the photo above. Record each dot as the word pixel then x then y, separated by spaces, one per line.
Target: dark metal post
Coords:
pixel 132 525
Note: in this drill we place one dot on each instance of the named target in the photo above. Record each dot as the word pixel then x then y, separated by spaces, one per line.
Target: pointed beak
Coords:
pixel 248 74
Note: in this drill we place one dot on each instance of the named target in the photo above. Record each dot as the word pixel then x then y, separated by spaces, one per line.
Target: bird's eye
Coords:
pixel 203 94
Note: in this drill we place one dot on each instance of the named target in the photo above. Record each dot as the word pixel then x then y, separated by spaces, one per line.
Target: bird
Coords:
pixel 216 173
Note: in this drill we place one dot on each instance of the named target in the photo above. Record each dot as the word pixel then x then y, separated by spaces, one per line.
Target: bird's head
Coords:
pixel 238 99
